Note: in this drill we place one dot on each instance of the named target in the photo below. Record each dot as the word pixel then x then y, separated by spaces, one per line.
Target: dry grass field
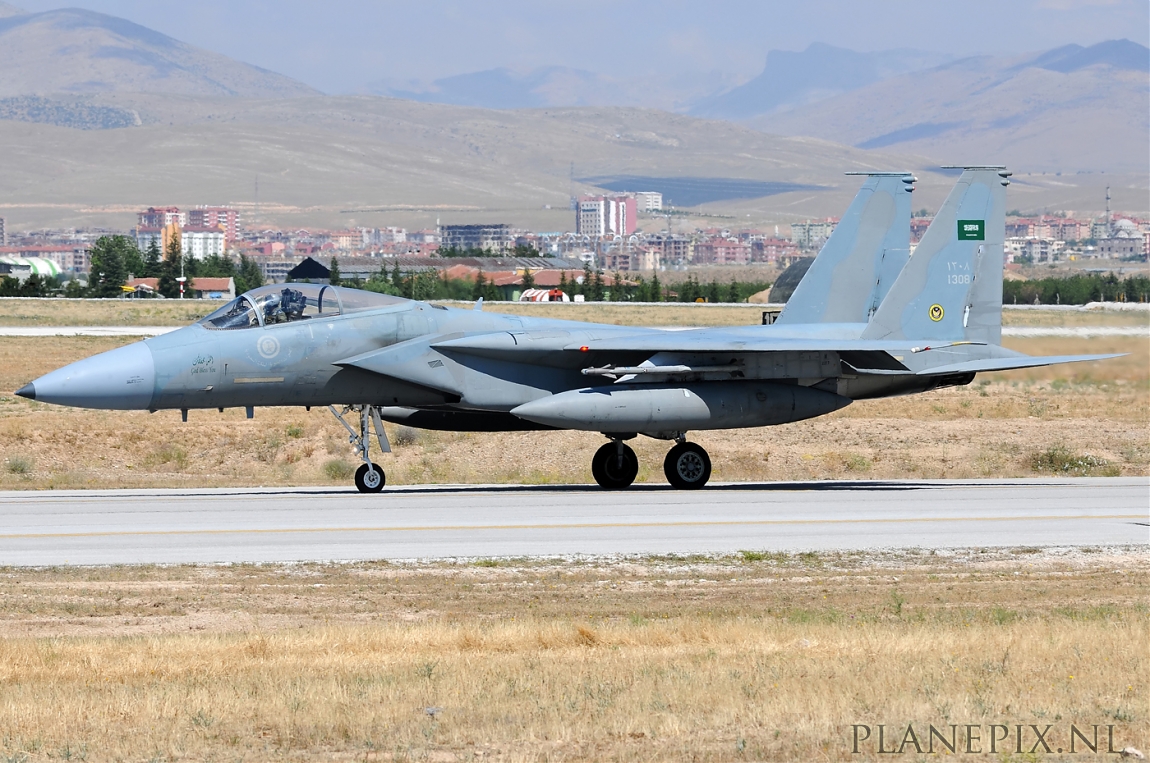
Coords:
pixel 123 312
pixel 750 657
pixel 755 656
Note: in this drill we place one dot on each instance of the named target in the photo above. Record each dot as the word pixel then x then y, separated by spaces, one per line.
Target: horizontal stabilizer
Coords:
pixel 1008 364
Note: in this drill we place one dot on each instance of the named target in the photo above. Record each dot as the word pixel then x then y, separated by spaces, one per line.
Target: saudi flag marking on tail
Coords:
pixel 971 230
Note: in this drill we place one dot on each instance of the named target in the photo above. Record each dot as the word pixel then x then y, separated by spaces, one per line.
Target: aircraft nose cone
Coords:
pixel 121 379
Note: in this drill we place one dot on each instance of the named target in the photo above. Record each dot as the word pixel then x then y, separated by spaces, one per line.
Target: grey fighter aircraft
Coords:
pixel 383 358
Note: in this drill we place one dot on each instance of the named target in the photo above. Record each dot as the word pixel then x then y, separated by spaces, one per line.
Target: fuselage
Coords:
pixel 311 345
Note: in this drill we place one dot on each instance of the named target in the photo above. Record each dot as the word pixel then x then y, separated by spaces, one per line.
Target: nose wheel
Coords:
pixel 687 466
pixel 369 477
pixel 615 465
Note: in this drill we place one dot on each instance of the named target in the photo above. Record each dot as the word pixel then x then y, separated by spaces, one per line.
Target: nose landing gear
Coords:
pixel 369 477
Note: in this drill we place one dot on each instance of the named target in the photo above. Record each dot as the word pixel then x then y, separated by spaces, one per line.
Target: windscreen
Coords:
pixel 237 314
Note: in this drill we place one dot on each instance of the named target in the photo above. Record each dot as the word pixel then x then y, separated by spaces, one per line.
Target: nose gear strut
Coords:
pixel 369 478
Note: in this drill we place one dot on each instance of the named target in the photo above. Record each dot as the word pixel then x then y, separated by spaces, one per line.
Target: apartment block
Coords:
pixel 722 251
pixel 648 201
pixel 606 216
pixel 812 233
pixel 497 237
pixel 773 250
pixel 225 218
pixel 158 217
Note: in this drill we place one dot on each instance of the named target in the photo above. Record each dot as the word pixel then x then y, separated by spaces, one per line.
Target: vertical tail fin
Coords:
pixel 861 260
pixel 952 287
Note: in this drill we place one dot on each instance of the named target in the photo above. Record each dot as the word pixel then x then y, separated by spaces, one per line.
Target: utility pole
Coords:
pixel 182 279
pixel 1109 218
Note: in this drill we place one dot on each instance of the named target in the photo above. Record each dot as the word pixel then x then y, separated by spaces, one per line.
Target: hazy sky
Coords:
pixel 341 45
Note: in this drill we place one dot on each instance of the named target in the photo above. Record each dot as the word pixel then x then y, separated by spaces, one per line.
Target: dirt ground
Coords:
pixel 754 656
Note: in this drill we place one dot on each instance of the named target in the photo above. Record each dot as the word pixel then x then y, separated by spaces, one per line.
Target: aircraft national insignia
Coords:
pixel 268 346
pixel 972 230
pixel 936 312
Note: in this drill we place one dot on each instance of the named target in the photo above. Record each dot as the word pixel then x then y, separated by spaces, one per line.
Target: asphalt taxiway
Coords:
pixel 321 524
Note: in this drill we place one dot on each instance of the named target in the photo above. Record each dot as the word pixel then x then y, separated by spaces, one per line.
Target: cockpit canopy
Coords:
pixel 286 303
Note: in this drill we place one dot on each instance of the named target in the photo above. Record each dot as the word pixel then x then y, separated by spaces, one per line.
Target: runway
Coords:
pixel 427 522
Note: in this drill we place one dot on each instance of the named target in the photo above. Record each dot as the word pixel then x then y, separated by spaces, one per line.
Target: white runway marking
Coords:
pixel 1079 332
pixel 85 330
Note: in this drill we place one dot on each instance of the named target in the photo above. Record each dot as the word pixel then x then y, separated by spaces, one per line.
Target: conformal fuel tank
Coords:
pixel 680 407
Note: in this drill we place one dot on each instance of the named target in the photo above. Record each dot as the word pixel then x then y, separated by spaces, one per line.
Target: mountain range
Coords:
pixel 794 79
pixel 557 86
pixel 1069 109
pixel 80 52
pixel 99 115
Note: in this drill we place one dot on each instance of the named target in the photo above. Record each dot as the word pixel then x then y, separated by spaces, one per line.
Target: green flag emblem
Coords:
pixel 971 230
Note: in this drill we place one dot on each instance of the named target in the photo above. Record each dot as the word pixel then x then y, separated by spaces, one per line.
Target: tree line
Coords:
pixel 1077 290
pixel 116 258
pixel 594 286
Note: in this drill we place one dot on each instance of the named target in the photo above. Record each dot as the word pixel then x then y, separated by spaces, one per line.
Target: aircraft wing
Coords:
pixel 712 340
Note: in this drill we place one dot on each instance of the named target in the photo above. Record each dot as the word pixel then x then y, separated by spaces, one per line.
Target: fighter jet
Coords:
pixel 936 324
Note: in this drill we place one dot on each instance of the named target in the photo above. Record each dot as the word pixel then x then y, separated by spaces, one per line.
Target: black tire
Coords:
pixel 366 485
pixel 687 466
pixel 611 471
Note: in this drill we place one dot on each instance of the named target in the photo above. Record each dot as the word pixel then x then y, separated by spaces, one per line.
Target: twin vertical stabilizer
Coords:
pixel 951 289
pixel 861 260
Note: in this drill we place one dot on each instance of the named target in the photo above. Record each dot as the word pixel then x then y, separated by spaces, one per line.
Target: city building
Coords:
pixel 648 201
pixel 640 259
pixel 158 217
pixel 3 233
pixel 424 236
pixel 812 234
pixel 918 226
pixel 1048 226
pixel 675 249
pixel 390 235
pixel 1125 239
pixel 606 216
pixel 774 250
pixel 1034 249
pixel 497 237
pixel 722 251
pixel 201 242
pixel 349 240
pixel 275 269
pixel 224 218
pixel 198 241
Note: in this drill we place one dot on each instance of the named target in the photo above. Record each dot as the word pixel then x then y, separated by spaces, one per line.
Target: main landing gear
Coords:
pixel 615 465
pixel 369 477
pixel 687 465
